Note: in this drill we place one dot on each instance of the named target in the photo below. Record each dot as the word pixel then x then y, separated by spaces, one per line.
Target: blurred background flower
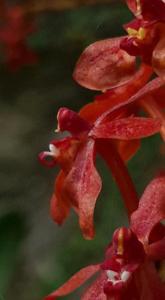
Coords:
pixel 36 256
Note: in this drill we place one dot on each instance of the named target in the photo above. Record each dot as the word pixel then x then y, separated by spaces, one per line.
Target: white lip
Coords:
pixel 115 277
pixel 111 274
pixel 125 276
pixel 54 151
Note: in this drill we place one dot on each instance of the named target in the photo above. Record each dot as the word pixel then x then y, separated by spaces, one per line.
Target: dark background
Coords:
pixel 36 255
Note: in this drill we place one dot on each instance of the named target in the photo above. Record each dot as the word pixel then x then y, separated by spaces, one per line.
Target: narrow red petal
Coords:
pixel 116 96
pixel 158 57
pixel 133 6
pixel 159 96
pixel 151 209
pixel 154 110
pixel 127 149
pixel 149 283
pixel 74 282
pixel 156 251
pixel 60 205
pixel 96 290
pixel 126 129
pixel 103 65
pixel 124 92
pixel 149 88
pixel 83 185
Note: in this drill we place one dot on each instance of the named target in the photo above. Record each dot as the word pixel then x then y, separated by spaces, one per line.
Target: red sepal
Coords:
pixel 158 57
pixel 116 96
pixel 74 282
pixel 149 283
pixel 103 65
pixel 83 185
pixel 151 209
pixel 156 251
pixel 59 205
pixel 132 4
pixel 96 290
pixel 126 129
pixel 149 88
pixel 127 149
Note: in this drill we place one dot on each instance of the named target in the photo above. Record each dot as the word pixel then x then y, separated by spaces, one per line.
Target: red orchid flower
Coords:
pixel 146 33
pixel 79 184
pixel 13 35
pixel 130 269
pixel 104 64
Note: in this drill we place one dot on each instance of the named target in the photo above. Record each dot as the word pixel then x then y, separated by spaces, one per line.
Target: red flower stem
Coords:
pixel 152 109
pixel 120 173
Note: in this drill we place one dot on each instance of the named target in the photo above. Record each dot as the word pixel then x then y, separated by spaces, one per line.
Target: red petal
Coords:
pixel 158 58
pixel 126 129
pixel 148 9
pixel 60 205
pixel 71 121
pixel 116 96
pixel 150 285
pixel 74 282
pixel 151 209
pixel 159 96
pixel 149 88
pixel 122 93
pixel 153 10
pixel 103 65
pixel 156 251
pixel 127 149
pixel 95 291
pixel 83 185
pixel 132 4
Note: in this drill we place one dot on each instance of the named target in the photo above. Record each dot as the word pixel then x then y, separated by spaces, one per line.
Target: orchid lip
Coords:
pixel 115 277
pixel 125 276
pixel 53 153
pixel 111 275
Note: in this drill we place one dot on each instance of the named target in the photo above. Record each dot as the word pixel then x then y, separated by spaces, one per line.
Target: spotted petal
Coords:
pixel 74 282
pixel 96 290
pixel 158 58
pixel 151 209
pixel 83 185
pixel 126 128
pixel 116 96
pixel 104 65
pixel 60 205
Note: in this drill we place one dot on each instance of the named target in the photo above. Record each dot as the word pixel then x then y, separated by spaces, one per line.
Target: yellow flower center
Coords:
pixel 140 34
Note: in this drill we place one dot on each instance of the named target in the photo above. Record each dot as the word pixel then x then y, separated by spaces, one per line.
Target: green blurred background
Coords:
pixel 36 255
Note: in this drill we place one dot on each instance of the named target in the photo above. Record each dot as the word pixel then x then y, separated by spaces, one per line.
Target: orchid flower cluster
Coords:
pixel 112 127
